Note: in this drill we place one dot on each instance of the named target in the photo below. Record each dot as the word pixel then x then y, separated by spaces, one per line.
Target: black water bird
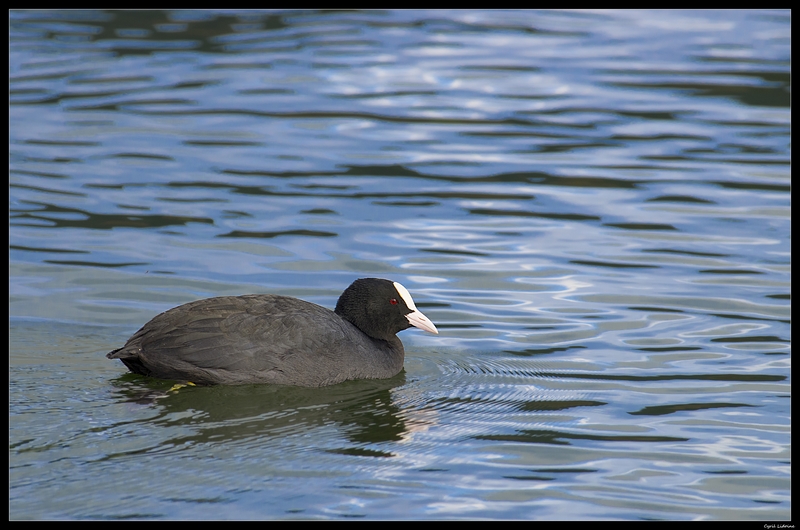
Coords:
pixel 267 338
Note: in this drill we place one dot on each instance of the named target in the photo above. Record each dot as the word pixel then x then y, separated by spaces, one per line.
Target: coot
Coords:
pixel 266 338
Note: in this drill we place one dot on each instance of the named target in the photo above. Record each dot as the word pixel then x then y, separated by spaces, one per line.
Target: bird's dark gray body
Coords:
pixel 259 338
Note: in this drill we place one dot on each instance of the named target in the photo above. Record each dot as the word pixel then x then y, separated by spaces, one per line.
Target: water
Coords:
pixel 593 208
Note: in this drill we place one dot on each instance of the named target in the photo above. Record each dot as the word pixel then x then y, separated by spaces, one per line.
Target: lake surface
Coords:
pixel 593 208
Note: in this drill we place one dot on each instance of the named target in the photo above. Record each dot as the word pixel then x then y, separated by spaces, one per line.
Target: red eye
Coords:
pixel 393 301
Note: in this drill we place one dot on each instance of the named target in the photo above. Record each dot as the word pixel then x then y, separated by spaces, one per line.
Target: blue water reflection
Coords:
pixel 593 207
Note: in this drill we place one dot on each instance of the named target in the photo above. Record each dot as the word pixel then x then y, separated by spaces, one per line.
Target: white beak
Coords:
pixel 418 320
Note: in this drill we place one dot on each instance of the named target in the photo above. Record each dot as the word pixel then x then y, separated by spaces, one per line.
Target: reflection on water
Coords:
pixel 593 207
